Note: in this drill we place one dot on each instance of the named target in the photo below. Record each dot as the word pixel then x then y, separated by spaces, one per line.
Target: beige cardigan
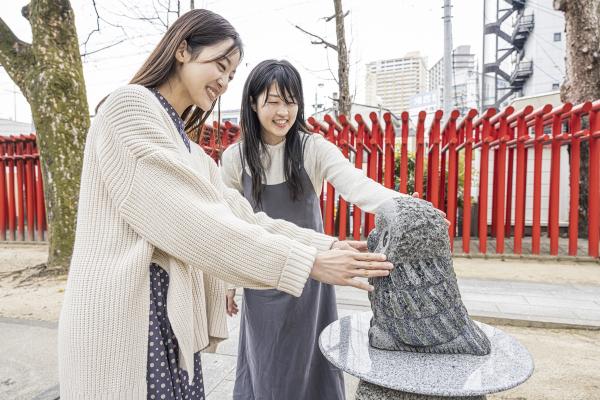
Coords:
pixel 144 198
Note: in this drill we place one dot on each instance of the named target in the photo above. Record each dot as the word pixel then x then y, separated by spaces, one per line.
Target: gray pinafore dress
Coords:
pixel 279 356
pixel 164 379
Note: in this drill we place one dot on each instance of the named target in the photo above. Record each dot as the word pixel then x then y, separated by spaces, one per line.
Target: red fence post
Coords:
pixel 389 152
pixel 344 146
pixel 373 158
pixel 467 134
pixel 540 137
pixel 486 138
pixel 521 176
pixel 594 188
pixel 377 143
pixel 20 188
pixel 419 156
pixel 511 134
pixel 442 182
pixel 11 189
pixel 451 139
pixel 330 199
pixel 30 194
pixel 3 201
pixel 433 163
pixel 404 154
pixel 501 182
pixel 358 163
pixel 575 134
pixel 554 203
pixel 318 129
pixel 520 185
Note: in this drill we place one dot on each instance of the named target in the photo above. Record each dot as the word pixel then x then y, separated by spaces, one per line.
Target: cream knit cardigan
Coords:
pixel 144 198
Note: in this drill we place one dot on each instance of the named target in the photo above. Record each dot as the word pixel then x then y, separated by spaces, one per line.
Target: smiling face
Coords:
pixel 276 113
pixel 206 76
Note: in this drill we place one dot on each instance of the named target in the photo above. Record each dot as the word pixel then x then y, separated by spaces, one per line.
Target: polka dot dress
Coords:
pixel 164 378
pixel 174 116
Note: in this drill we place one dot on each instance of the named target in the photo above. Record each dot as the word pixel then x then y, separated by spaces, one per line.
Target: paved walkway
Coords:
pixel 515 302
pixel 28 349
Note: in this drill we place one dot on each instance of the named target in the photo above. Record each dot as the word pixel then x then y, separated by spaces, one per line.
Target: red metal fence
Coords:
pixel 485 171
pixel 22 210
pixel 506 137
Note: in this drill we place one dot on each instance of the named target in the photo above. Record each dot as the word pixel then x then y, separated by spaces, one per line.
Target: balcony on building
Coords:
pixel 517 4
pixel 523 27
pixel 522 72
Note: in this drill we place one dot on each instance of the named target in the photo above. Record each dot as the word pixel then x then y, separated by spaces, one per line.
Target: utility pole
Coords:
pixel 447 58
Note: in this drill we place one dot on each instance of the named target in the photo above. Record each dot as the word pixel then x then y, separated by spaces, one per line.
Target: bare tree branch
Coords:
pixel 15 55
pixel 96 29
pixel 331 71
pixel 103 48
pixel 327 19
pixel 321 40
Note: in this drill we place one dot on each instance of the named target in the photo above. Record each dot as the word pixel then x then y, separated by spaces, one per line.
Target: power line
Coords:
pixel 550 57
pixel 543 9
pixel 546 73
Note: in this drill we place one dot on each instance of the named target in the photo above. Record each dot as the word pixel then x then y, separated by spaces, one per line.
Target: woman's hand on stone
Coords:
pixel 351 245
pixel 341 267
pixel 232 307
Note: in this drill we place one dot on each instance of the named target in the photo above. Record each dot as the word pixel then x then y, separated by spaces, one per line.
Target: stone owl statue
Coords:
pixel 418 306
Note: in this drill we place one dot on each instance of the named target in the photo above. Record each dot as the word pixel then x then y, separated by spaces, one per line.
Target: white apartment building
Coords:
pixel 391 83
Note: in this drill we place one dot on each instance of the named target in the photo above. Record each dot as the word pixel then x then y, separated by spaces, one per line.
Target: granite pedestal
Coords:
pixel 395 375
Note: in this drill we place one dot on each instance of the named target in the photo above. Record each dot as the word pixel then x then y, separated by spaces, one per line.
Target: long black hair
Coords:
pixel 289 87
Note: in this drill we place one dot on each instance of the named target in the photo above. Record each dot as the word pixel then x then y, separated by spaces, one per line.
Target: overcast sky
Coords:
pixel 375 29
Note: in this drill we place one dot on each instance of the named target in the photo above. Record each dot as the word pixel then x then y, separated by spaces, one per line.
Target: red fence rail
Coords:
pixel 486 172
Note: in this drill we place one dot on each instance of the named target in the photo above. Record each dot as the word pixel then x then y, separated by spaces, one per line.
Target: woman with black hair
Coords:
pixel 280 168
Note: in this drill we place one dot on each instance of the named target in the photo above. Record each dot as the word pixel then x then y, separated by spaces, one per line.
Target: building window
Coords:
pixel 555 86
pixel 557 36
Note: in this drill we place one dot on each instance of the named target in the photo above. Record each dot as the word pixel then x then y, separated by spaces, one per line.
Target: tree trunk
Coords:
pixel 49 72
pixel 582 81
pixel 344 102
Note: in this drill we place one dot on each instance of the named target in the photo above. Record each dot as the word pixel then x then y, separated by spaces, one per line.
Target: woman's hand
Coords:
pixel 340 267
pixel 232 307
pixel 352 245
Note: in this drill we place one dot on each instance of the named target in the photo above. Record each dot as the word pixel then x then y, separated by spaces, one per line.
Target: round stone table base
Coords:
pixel 369 391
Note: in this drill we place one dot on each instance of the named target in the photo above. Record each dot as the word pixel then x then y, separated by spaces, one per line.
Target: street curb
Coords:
pixel 529 257
pixel 30 322
pixel 524 323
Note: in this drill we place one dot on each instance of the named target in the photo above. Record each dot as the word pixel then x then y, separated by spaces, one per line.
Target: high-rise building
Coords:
pixel 391 83
pixel 465 86
pixel 465 79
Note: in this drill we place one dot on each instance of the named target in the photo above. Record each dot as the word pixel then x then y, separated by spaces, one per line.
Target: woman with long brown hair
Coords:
pixel 158 232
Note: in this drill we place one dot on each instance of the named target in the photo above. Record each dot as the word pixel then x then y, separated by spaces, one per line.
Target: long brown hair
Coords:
pixel 199 28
